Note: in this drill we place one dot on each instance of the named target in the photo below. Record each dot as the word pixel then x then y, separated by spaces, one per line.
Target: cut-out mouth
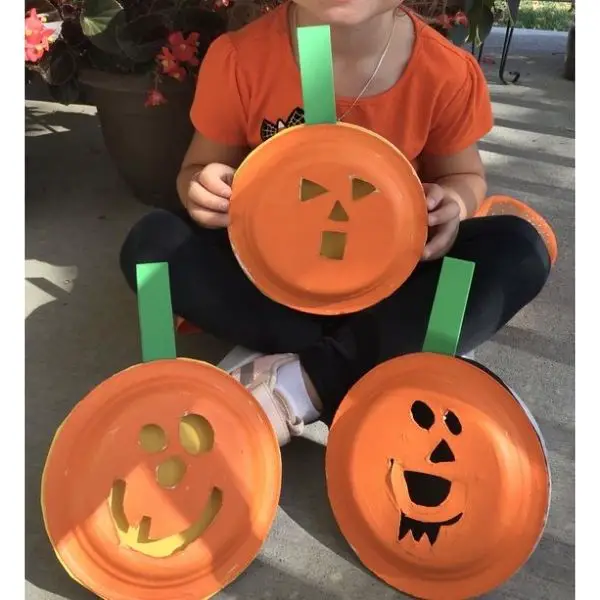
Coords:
pixel 333 244
pixel 418 528
pixel 426 490
pixel 137 537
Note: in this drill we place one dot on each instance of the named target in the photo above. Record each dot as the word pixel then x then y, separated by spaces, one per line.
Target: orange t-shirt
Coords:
pixel 249 88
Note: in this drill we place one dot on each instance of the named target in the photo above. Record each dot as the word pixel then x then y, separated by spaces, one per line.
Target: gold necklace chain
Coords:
pixel 375 71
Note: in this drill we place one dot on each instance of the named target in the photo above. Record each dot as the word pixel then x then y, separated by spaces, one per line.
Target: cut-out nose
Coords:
pixel 442 453
pixel 338 213
pixel 170 472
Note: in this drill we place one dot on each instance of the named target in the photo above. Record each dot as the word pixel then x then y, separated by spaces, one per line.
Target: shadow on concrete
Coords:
pixel 536 128
pixel 39 122
pixel 276 585
pixel 503 178
pixel 537 155
pixel 304 496
pixel 562 351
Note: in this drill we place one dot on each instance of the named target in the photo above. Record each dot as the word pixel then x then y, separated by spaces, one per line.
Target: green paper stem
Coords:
pixel 449 306
pixel 155 312
pixel 316 73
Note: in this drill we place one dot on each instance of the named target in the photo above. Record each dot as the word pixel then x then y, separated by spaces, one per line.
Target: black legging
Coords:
pixel 210 290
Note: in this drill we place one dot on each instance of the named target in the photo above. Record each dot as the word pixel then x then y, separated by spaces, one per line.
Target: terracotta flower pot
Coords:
pixel 147 144
pixel 569 69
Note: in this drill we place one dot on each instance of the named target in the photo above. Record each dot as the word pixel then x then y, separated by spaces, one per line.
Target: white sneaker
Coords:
pixel 258 374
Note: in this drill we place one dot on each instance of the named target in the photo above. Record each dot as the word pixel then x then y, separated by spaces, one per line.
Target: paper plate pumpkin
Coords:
pixel 505 205
pixel 437 476
pixel 327 218
pixel 162 483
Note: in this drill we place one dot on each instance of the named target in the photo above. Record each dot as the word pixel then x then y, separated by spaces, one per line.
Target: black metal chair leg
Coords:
pixel 514 75
pixel 480 53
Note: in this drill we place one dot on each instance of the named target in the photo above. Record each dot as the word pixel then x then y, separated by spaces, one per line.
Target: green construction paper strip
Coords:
pixel 316 73
pixel 155 312
pixel 449 305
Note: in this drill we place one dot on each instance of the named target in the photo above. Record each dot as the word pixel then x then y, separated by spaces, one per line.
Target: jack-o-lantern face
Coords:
pixel 196 437
pixel 327 218
pixel 333 243
pixel 437 477
pixel 166 476
pixel 437 503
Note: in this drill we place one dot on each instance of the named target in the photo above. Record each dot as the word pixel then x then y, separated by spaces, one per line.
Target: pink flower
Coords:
pixel 178 73
pixel 33 23
pixel 155 98
pixel 460 18
pixel 184 48
pixel 444 21
pixel 36 37
pixel 167 61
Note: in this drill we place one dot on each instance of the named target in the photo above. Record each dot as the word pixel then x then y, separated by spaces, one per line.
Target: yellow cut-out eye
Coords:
pixel 361 188
pixel 309 190
pixel 196 434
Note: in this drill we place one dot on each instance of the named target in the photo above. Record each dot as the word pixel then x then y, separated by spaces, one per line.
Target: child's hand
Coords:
pixel 444 219
pixel 208 196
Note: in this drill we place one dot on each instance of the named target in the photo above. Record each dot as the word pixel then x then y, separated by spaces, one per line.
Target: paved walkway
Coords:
pixel 81 328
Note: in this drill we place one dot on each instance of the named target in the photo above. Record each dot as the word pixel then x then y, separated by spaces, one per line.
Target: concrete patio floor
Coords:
pixel 81 327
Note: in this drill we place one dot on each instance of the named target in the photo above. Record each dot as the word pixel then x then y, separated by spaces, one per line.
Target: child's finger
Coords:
pixel 200 197
pixel 209 218
pixel 434 195
pixel 443 214
pixel 440 243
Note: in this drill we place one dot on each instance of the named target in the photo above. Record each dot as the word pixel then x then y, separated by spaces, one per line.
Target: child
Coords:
pixel 399 78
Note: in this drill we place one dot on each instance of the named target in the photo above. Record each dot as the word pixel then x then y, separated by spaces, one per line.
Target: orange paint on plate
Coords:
pixel 437 477
pixel 327 219
pixel 162 483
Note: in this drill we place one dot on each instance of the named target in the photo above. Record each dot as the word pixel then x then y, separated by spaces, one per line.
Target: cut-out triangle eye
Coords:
pixel 361 188
pixel 309 190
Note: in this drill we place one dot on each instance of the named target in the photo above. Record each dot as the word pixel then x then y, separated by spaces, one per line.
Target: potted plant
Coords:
pixel 569 69
pixel 136 61
pixel 461 21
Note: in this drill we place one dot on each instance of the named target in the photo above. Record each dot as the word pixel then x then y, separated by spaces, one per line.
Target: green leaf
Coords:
pixel 107 40
pixel 513 9
pixel 472 37
pixel 486 23
pixel 458 34
pixel 59 65
pixel 481 21
pixel 141 39
pixel 468 5
pixel 97 15
pixel 114 63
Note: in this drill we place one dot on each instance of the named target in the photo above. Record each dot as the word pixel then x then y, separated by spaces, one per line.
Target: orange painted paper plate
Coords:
pixel 327 219
pixel 437 477
pixel 505 205
pixel 162 483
